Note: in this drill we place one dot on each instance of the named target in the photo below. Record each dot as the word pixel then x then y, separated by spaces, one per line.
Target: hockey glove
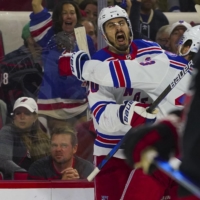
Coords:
pixel 64 64
pixel 72 64
pixel 162 137
pixel 134 113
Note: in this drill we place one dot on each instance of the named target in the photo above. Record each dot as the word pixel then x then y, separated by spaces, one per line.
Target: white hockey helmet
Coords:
pixel 109 13
pixel 192 34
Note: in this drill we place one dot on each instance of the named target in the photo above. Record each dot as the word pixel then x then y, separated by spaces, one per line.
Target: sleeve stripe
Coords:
pixel 104 145
pixel 177 63
pixel 127 77
pixel 38 29
pixel 98 115
pixel 115 137
pixel 99 108
pixel 40 37
pixel 114 75
pixel 107 141
pixel 119 73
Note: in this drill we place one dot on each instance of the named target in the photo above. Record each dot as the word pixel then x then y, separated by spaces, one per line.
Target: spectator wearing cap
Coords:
pixel 162 36
pixel 22 142
pixel 176 32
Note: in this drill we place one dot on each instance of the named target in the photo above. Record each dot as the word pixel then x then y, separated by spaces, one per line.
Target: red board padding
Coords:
pixel 45 184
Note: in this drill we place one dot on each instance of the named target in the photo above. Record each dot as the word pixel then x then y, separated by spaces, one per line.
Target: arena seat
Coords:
pixel 20 175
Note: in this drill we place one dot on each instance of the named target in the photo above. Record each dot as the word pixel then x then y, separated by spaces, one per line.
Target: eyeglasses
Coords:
pixel 62 146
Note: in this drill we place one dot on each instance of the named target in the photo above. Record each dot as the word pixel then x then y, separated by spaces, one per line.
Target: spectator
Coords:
pixel 3 113
pixel 62 163
pixel 23 68
pixel 176 32
pixel 90 28
pixel 162 36
pixel 22 142
pixel 85 132
pixel 151 20
pixel 59 97
pixel 90 7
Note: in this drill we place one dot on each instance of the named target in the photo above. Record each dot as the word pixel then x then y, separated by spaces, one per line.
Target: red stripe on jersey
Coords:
pixel 107 141
pixel 97 109
pixel 149 49
pixel 56 106
pixel 42 29
pixel 177 63
pixel 119 73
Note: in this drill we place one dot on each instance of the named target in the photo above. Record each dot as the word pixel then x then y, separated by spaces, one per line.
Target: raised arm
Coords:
pixel 37 6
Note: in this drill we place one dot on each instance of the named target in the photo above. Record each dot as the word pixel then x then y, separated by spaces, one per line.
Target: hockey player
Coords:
pixel 147 61
pixel 167 138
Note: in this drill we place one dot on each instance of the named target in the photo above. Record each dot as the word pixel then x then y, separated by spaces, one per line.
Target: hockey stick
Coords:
pixel 150 109
pixel 81 39
pixel 197 8
pixel 171 168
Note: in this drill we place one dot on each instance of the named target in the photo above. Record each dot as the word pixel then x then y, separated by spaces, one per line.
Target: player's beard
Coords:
pixel 121 48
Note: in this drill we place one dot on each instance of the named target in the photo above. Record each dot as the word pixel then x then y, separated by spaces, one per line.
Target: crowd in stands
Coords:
pixel 42 112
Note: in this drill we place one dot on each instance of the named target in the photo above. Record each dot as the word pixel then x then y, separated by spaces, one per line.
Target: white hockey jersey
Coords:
pixel 142 78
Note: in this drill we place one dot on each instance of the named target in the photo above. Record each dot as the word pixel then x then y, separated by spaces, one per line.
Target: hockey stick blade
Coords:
pixel 171 168
pixel 150 110
pixel 81 38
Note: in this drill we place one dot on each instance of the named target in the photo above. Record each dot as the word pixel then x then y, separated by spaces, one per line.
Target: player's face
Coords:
pixel 69 18
pixel 62 150
pixel 118 33
pixel 23 118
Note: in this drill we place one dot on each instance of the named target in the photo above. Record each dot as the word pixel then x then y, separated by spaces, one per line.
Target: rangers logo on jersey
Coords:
pixel 128 57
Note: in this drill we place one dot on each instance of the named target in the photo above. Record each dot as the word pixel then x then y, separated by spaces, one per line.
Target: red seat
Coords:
pixel 20 176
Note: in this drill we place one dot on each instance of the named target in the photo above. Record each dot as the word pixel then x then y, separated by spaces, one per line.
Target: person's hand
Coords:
pixel 162 137
pixel 37 6
pixel 134 113
pixel 128 8
pixel 70 174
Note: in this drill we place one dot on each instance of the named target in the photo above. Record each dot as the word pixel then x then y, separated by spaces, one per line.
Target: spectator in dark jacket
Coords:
pixel 62 163
pixel 151 20
pixel 22 142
